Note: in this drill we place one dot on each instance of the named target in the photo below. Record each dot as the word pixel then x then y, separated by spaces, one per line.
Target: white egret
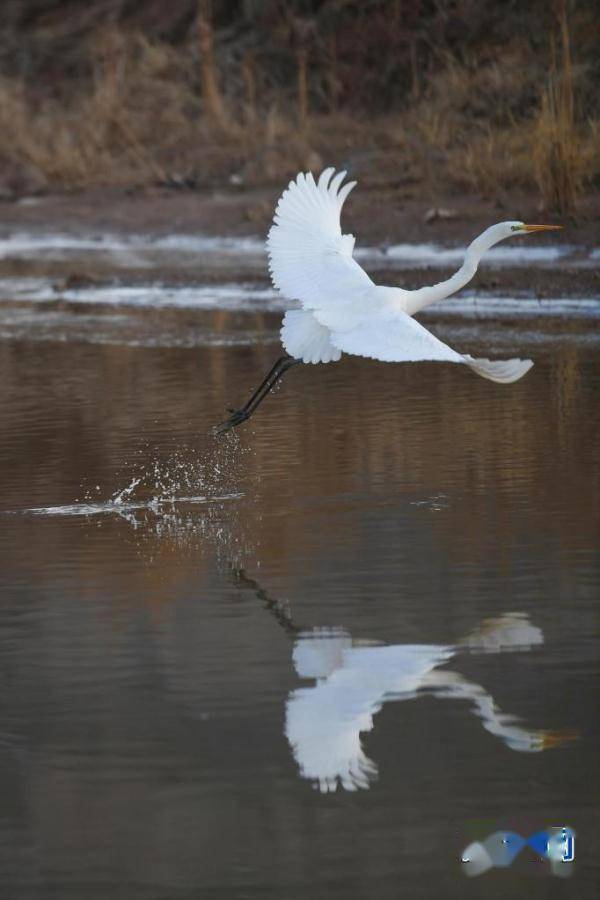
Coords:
pixel 342 310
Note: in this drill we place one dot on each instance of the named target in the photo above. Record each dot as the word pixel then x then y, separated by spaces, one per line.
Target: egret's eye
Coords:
pixel 515 227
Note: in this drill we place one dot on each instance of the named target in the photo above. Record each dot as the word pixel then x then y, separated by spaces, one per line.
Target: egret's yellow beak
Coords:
pixel 541 227
pixel 557 738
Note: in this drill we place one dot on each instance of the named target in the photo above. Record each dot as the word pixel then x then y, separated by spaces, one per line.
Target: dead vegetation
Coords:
pixel 560 152
pixel 252 107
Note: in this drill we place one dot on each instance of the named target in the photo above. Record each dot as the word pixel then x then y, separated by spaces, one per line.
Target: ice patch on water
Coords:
pixel 147 250
pixel 61 246
pixel 248 297
pixel 433 255
pixel 231 296
pixel 476 304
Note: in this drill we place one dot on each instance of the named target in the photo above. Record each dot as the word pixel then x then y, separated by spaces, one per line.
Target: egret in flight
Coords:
pixel 342 310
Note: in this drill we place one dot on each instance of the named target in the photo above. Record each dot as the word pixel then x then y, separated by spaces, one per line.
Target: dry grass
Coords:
pixel 149 115
pixel 107 133
pixel 484 128
pixel 151 112
pixel 558 153
pixel 463 133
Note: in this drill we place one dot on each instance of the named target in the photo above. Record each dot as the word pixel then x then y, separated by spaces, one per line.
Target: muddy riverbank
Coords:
pixel 379 220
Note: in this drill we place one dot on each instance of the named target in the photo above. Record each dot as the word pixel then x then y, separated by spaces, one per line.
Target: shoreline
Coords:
pixel 237 214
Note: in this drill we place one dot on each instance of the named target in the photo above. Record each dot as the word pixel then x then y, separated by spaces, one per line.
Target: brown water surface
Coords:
pixel 200 638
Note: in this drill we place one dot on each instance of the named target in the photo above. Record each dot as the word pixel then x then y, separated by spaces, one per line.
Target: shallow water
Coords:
pixel 202 638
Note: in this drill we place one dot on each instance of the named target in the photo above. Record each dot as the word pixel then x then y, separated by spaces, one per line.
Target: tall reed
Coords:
pixel 557 150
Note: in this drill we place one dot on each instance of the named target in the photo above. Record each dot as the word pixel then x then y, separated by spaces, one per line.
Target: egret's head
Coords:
pixel 496 233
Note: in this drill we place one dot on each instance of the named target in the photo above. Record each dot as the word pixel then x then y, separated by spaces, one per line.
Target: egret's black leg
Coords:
pixel 240 415
pixel 278 608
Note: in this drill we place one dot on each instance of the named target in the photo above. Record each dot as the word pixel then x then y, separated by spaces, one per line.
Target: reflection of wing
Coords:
pixel 323 726
pixel 393 336
pixel 323 723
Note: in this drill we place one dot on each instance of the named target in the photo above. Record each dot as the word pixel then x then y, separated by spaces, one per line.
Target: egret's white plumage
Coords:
pixel 342 310
pixel 311 261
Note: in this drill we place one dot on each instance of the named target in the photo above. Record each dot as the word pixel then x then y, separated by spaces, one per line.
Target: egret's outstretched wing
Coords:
pixel 310 260
pixel 396 337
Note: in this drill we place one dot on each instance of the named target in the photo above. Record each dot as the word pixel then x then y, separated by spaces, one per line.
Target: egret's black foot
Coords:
pixel 236 418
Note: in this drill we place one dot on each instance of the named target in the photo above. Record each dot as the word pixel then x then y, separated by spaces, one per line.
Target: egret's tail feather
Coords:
pixel 503 371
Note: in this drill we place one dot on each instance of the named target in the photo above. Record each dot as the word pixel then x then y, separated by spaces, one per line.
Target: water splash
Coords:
pixel 125 509
pixel 186 501
pixel 120 496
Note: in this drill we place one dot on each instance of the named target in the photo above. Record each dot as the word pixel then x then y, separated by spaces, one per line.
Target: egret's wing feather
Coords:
pixel 305 338
pixel 394 338
pixel 310 260
pixel 400 338
pixel 323 726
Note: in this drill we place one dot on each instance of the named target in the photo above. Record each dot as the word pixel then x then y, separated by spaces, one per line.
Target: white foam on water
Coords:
pixel 126 492
pixel 116 507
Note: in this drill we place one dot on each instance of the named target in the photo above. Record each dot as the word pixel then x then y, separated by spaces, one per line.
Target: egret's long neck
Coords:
pixel 416 300
pixel 453 686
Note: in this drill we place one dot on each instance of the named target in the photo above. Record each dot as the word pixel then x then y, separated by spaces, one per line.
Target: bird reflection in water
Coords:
pixel 353 679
